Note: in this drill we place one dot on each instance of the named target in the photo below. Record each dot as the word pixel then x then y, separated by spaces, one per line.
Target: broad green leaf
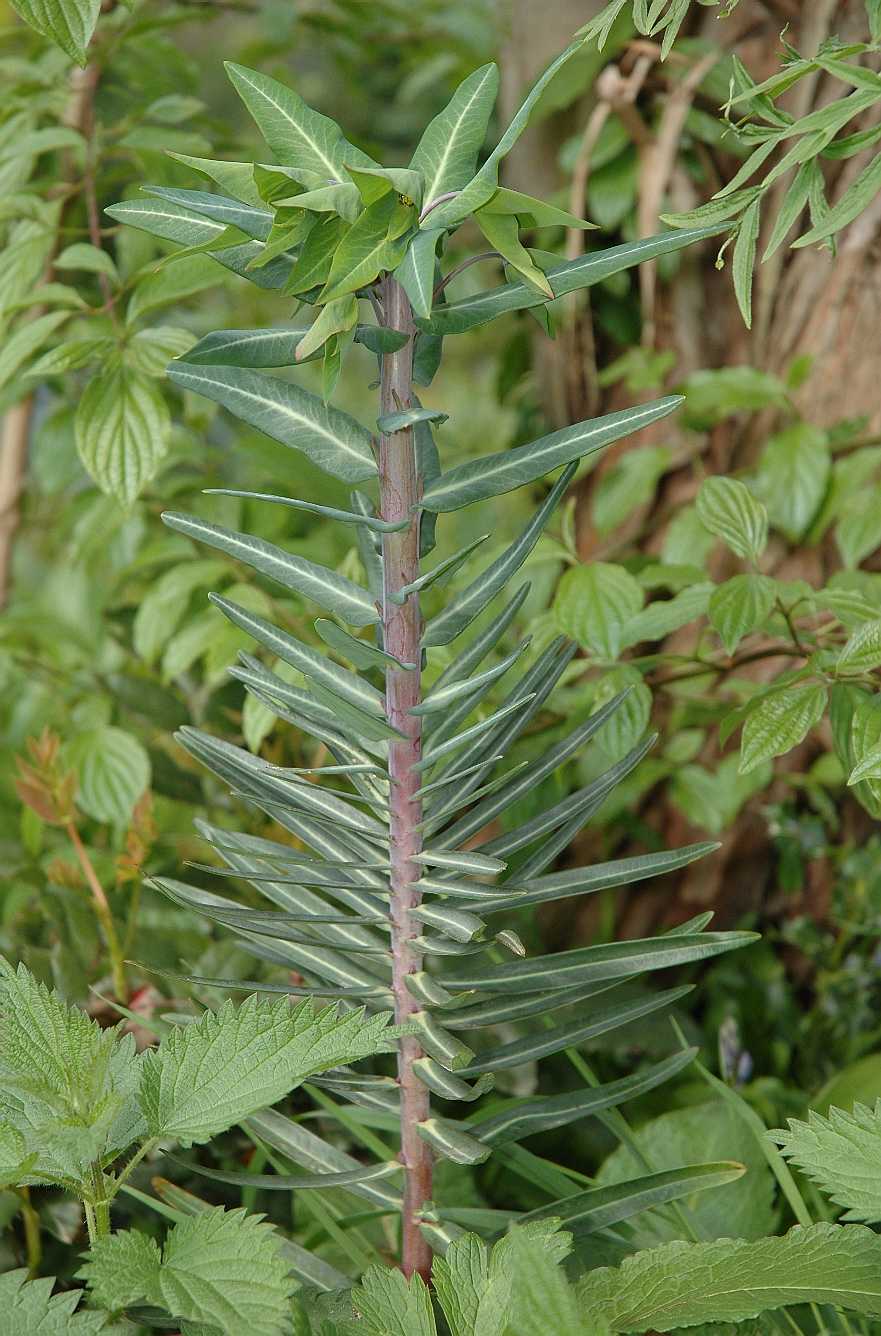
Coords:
pixel 565 276
pixel 792 478
pixel 113 770
pixel 332 591
pixel 122 428
pixel 842 1154
pixel 730 511
pixel 661 618
pixel 739 606
pixel 316 256
pixel 332 440
pixel 683 1284
pixel 862 653
pixel 744 260
pixel 173 282
pixel 123 1269
pixel 67 1087
pixel 303 139
pixel 462 610
pixel 502 231
pixel 372 182
pixel 334 317
pixel 224 1269
pixel 29 1307
pixel 415 273
pixel 495 474
pixel 150 350
pixel 91 259
pixel 235 178
pixel 779 722
pixel 376 241
pixel 542 1298
pixel 15 1162
pixel 69 23
pixel 447 153
pixel 388 1304
pixel 161 610
pixel 27 340
pixel 208 1075
pixel 594 603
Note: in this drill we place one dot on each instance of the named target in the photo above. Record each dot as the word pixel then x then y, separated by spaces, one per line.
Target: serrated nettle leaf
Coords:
pixel 122 427
pixel 495 474
pixel 780 721
pixel 311 144
pixel 227 1066
pixel 840 1153
pixel 683 1284
pixel 741 605
pixel 730 511
pixel 29 1306
pixel 332 440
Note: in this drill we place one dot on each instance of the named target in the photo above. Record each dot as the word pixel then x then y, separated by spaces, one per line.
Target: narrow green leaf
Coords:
pixel 254 222
pixel 330 512
pixel 295 1182
pixel 744 261
pixel 565 276
pixel 415 273
pixel 495 474
pixel 324 586
pixel 390 423
pixel 852 203
pixel 502 231
pixel 276 347
pixel 332 440
pixel 463 609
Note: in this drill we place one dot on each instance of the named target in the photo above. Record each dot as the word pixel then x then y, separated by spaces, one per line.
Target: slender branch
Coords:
pixel 402 628
pixel 460 269
pixel 32 1237
pixel 102 911
pixel 435 203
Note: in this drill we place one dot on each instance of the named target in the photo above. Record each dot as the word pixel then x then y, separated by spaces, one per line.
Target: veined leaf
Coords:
pixel 502 231
pixel 591 964
pixel 322 585
pixel 29 1306
pixel 348 686
pixel 463 609
pixel 526 1118
pixel 566 276
pixel 841 1153
pixel 532 212
pixel 70 23
pixel 780 721
pixel 744 260
pixel 375 242
pixel 388 1304
pixel 683 1284
pixel 236 178
pixel 728 509
pixel 598 1208
pixel 275 347
pixel 333 440
pixel 415 273
pixel 226 1066
pixel 447 152
pixel 122 427
pixel 336 317
pixel 312 144
pixel 254 222
pixel 854 200
pixel 739 606
pixel 541 1297
pixel 494 474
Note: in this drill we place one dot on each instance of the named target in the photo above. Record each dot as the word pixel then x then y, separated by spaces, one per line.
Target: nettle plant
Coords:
pixel 399 901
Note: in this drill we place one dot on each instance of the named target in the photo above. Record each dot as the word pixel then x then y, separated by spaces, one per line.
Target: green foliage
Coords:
pixel 221 1268
pixel 29 1306
pixel 840 1152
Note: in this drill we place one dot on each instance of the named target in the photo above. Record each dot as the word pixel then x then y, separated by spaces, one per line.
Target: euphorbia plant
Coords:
pixel 395 904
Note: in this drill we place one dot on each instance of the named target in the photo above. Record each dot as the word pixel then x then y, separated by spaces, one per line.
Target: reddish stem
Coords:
pixel 402 628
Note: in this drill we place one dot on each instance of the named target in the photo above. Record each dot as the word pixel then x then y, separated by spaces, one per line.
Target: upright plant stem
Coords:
pixel 401 624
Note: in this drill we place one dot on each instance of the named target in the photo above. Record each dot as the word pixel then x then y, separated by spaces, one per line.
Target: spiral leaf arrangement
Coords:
pixel 401 900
